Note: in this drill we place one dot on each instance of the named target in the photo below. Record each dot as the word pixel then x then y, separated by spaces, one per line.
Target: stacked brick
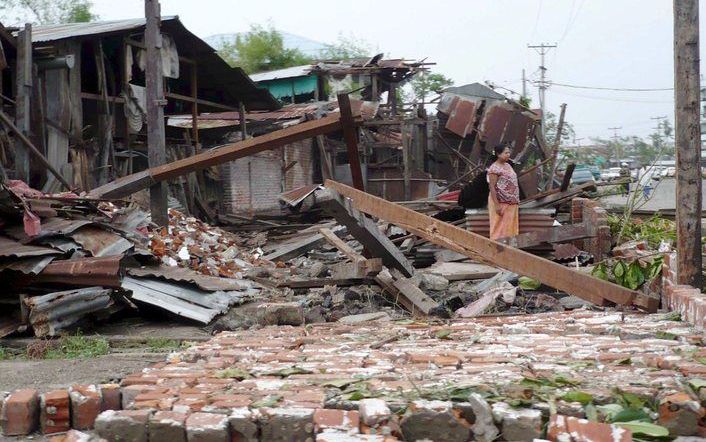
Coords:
pixel 686 300
pixel 338 382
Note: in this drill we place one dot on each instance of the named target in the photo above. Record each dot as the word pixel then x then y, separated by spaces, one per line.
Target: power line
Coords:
pixel 574 86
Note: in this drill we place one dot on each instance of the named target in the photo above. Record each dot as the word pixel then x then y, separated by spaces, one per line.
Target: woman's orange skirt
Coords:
pixel 507 224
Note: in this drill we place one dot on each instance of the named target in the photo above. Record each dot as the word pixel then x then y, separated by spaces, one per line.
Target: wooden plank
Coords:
pixel 23 100
pixel 473 245
pixel 687 133
pixel 350 135
pixel 364 229
pixel 557 234
pixel 298 248
pixel 229 152
pixel 403 294
pixel 341 245
pixel 321 282
pixel 188 99
pixel 154 82
pixel 566 181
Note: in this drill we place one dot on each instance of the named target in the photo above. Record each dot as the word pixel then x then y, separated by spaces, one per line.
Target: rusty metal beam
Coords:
pixel 473 245
pixel 229 152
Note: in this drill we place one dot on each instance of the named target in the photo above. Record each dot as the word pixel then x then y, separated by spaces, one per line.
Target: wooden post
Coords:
pixel 557 142
pixel 392 99
pixel 688 141
pixel 195 109
pixel 243 122
pixel 24 95
pixel 350 134
pixel 155 110
pixel 406 162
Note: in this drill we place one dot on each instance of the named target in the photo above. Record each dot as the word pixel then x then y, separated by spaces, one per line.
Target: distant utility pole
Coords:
pixel 659 121
pixel 687 141
pixel 618 150
pixel 542 85
pixel 524 84
pixel 154 82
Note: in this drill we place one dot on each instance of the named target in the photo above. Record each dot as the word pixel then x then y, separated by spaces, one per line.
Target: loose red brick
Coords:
pixel 54 412
pixel 86 405
pixel 110 397
pixel 346 420
pixel 20 413
pixel 167 426
pixel 582 430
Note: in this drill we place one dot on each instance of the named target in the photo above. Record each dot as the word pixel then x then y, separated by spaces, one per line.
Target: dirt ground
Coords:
pixel 129 335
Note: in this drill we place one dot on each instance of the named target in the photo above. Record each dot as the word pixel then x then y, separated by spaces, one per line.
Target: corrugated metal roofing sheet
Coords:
pixel 10 247
pixel 44 33
pixel 291 72
pixel 204 282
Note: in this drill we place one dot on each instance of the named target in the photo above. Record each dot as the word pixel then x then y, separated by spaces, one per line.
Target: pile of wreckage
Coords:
pixel 68 260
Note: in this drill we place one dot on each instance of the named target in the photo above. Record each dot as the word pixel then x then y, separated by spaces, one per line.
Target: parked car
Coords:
pixel 610 174
pixel 668 172
pixel 582 174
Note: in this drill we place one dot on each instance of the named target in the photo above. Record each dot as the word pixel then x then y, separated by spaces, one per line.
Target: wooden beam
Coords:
pixel 473 245
pixel 229 152
pixel 557 234
pixel 200 101
pixel 154 80
pixel 687 132
pixel 341 245
pixel 401 291
pixel 23 100
pixel 364 229
pixel 350 134
pixel 566 181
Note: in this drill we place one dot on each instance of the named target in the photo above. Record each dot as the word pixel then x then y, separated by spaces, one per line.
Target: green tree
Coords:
pixel 568 134
pixel 261 49
pixel 346 48
pixel 426 83
pixel 47 11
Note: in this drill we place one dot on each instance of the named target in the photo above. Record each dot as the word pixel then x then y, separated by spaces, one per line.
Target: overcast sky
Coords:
pixel 601 43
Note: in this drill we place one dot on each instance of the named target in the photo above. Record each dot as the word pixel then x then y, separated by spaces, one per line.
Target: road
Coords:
pixel 663 197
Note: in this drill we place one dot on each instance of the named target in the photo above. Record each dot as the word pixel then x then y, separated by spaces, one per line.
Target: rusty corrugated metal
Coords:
pixel 49 227
pixel 462 117
pixel 99 242
pixel 27 266
pixel 83 272
pixel 296 196
pixel 53 312
pixel 477 220
pixel 495 118
pixel 566 251
pixel 12 248
pixel 518 131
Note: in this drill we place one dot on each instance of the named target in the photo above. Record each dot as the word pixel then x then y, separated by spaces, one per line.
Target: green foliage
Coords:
pixel 552 125
pixel 266 402
pixel 261 49
pixel 233 373
pixel 79 347
pixel 163 344
pixel 48 11
pixel 5 354
pixel 578 396
pixel 527 283
pixel 654 230
pixel 346 48
pixel 426 83
pixel 444 333
pixel 631 275
pixel 645 428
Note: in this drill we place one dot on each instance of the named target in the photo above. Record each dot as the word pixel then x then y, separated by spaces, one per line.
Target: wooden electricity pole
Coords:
pixel 687 140
pixel 155 110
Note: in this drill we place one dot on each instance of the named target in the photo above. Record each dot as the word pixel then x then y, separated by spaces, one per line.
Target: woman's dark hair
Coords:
pixel 500 148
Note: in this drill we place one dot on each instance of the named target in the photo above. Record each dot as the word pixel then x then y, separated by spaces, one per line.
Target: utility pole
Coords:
pixel 524 84
pixel 687 141
pixel 618 149
pixel 542 85
pixel 154 82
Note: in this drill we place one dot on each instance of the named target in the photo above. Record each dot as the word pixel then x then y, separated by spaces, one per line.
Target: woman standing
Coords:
pixel 504 198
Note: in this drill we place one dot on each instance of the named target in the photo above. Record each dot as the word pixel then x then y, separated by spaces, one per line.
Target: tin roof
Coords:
pixel 45 33
pixel 291 72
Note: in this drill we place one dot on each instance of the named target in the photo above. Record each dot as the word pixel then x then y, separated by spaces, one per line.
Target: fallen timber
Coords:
pixel 141 180
pixel 584 286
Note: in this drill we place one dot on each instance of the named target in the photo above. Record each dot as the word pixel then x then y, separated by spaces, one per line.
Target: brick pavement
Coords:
pixel 405 377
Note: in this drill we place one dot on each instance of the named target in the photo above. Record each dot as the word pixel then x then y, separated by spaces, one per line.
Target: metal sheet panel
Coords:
pixel 495 118
pixel 462 117
pixel 518 131
pixel 204 282
pixel 56 311
pixel 84 272
pixel 296 196
pixel 12 248
pixel 100 242
pixel 447 103
pixel 26 266
pixel 50 226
